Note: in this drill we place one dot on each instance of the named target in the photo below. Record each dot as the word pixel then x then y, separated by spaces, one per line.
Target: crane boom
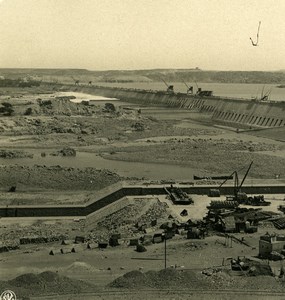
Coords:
pixel 185 84
pixel 227 179
pixel 165 82
pixel 245 176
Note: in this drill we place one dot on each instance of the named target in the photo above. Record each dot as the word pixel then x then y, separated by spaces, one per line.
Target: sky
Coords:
pixel 142 34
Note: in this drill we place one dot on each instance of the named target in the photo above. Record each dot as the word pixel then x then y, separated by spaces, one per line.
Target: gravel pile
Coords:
pixel 190 279
pixel 45 283
pixel 165 278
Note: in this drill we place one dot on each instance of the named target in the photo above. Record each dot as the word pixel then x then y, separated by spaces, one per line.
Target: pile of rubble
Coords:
pixel 65 152
pixel 131 220
pixel 15 154
pixel 165 278
pixel 157 211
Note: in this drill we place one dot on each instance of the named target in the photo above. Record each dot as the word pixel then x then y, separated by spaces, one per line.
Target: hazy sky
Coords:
pixel 142 34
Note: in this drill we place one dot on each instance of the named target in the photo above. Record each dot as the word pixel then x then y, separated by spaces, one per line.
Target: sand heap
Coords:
pixel 45 283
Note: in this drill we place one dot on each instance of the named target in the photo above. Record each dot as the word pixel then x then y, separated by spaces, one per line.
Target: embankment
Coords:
pixel 118 193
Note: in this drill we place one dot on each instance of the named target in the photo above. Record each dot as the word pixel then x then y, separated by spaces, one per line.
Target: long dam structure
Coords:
pixel 244 113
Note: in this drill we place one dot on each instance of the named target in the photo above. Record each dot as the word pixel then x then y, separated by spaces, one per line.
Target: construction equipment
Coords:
pixel 217 204
pixel 189 88
pixel 264 96
pixel 76 81
pixel 281 208
pixel 170 88
pixel 240 264
pixel 237 194
pixel 257 201
pixel 202 93
pixel 178 196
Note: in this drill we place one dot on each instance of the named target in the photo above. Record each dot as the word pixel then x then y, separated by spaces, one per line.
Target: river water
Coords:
pixel 151 171
pixel 235 90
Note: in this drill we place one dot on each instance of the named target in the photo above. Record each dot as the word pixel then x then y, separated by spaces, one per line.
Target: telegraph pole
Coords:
pixel 164 250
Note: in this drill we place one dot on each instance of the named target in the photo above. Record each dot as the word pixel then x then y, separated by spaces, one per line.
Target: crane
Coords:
pixel 170 88
pixel 265 96
pixel 76 81
pixel 237 195
pixel 189 88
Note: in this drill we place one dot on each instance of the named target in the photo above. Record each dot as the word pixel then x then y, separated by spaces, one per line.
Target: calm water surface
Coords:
pixel 238 90
pixel 126 169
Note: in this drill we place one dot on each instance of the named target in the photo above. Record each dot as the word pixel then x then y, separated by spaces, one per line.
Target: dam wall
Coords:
pixel 118 194
pixel 229 111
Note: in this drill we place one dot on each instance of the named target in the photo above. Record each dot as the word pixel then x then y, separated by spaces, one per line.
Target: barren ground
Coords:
pixel 158 136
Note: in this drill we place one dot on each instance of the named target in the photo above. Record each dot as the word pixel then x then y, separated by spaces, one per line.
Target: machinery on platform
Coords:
pixel 237 194
pixel 189 88
pixel 170 88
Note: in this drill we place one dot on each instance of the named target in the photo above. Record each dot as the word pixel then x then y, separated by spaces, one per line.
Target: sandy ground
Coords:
pixel 35 258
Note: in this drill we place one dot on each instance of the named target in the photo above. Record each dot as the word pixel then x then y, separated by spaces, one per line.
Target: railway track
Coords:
pixel 170 294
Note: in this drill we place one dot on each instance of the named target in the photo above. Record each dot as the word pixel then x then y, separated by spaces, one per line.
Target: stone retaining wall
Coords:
pixel 84 210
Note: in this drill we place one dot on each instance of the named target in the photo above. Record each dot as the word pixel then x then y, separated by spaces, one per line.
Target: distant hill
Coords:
pixel 169 75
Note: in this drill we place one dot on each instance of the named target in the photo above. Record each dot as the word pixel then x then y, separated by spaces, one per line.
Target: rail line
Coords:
pixel 230 294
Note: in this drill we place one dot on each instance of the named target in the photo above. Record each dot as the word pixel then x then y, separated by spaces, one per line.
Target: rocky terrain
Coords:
pixel 124 221
pixel 55 178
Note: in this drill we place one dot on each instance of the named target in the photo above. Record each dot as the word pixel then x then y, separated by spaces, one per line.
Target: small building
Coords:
pixel 116 236
pixel 66 242
pixel 194 233
pixel 133 242
pixel 113 242
pixel 3 248
pixel 214 193
pixel 78 248
pixel 55 252
pixel 79 239
pixel 228 224
pixel 269 243
pixel 148 230
pixel 91 246
pixel 65 250
pixel 102 245
pixel 147 239
pixel 157 238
